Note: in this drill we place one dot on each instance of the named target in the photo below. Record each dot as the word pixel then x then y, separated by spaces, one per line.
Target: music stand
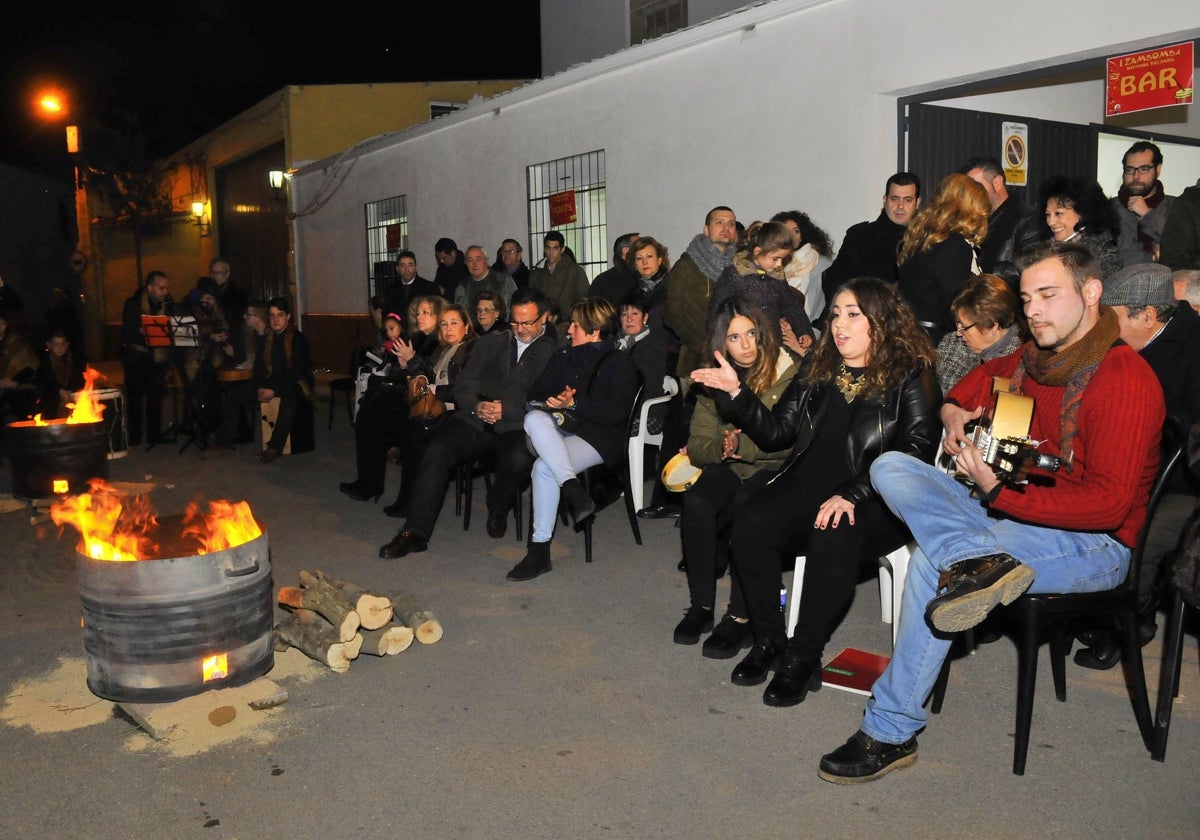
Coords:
pixel 171 331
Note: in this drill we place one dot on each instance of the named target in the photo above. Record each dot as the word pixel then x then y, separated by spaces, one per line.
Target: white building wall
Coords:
pixel 788 104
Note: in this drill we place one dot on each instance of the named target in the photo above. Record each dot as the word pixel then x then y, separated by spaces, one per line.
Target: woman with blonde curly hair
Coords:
pixel 869 386
pixel 939 251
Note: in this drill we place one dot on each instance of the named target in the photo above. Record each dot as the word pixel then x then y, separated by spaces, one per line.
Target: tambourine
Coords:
pixel 679 474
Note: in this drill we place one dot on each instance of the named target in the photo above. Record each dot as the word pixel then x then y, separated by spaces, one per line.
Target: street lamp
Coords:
pixel 53 104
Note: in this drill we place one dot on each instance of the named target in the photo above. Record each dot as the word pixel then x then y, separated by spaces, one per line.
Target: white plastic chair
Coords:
pixel 892 570
pixel 639 442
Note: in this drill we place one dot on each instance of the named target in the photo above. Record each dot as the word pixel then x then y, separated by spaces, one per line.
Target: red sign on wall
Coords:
pixel 562 208
pixel 1149 79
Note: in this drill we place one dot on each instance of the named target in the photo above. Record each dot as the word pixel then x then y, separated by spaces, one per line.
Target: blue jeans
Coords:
pixel 949 526
pixel 560 458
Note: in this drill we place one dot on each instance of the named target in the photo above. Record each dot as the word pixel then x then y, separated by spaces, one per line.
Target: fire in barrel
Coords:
pixel 52 457
pixel 172 606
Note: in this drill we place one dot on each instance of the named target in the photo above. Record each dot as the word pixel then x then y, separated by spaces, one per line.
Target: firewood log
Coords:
pixel 374 610
pixel 426 627
pixel 315 637
pixel 387 641
pixel 319 596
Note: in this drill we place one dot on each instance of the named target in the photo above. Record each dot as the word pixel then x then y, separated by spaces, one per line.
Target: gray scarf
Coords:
pixel 707 258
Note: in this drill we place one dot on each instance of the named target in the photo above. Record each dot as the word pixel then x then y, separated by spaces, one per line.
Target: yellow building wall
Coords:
pixel 324 120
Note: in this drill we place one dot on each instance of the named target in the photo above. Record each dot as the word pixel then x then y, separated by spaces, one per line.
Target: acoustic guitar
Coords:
pixel 1001 434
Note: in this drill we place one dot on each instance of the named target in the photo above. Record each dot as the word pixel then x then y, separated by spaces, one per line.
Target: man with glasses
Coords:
pixel 489 395
pixel 480 278
pixel 511 261
pixel 1141 204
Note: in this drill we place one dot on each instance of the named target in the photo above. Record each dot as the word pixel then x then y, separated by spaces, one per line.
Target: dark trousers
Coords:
pixel 704 528
pixel 775 524
pixel 239 408
pixel 380 421
pixel 145 390
pixel 456 442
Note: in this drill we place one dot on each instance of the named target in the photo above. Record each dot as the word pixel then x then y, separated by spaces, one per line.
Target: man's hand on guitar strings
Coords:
pixel 954 420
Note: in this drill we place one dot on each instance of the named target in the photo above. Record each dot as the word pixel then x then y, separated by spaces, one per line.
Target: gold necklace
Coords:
pixel 847 384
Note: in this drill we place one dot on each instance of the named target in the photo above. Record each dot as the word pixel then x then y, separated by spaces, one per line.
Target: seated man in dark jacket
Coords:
pixel 283 369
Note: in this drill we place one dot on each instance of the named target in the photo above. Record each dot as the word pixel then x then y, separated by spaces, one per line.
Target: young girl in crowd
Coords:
pixel 756 273
pixel 732 467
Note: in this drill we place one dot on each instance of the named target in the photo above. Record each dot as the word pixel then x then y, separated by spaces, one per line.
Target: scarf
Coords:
pixel 1070 369
pixel 707 258
pixel 625 343
pixel 1152 201
pixel 803 261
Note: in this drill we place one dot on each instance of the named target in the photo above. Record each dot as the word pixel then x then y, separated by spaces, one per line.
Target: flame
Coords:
pixel 110 529
pixel 216 667
pixel 116 527
pixel 61 486
pixel 87 407
pixel 225 525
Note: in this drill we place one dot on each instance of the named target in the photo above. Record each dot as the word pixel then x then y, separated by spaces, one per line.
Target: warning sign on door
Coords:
pixel 1014 153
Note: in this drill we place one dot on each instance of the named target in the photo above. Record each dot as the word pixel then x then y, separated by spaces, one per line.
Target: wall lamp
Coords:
pixel 202 222
pixel 277 179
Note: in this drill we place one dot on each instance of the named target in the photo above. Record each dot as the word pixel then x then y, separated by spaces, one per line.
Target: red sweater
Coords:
pixel 1116 448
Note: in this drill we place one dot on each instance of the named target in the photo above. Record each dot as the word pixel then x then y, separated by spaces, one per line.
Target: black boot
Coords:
pixel 536 562
pixel 753 669
pixel 579 504
pixel 794 678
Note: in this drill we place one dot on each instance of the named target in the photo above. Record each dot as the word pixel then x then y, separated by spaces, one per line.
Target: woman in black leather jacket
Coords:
pixel 868 387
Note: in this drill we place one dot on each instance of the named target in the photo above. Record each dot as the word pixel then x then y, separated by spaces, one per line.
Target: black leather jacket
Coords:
pixel 905 420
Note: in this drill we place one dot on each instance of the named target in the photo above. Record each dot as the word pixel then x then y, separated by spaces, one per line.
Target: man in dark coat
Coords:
pixel 620 280
pixel 1012 225
pixel 407 285
pixel 869 248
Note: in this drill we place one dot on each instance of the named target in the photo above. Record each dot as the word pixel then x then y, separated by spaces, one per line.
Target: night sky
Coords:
pixel 170 72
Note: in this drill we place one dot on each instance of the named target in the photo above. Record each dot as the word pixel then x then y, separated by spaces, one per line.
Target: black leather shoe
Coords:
pixel 863 759
pixel 1104 649
pixel 397 509
pixel 972 588
pixel 406 542
pixel 359 492
pixel 696 620
pixel 579 504
pixel 753 669
pixel 794 678
pixel 497 525
pixel 660 512
pixel 728 639
pixel 535 562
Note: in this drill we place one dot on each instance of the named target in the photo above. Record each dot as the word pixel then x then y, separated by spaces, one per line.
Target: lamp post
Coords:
pixel 53 104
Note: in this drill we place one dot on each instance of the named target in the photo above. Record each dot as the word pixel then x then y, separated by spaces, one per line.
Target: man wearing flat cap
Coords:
pixel 1166 333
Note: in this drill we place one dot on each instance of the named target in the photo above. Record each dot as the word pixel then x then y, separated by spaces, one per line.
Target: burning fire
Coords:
pixel 87 407
pixel 115 527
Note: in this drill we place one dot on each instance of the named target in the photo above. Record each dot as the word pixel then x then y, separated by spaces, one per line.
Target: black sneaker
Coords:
pixel 697 620
pixel 728 639
pixel 973 588
pixel 863 759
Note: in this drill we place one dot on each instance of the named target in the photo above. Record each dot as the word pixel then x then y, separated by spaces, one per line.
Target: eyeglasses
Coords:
pixel 1145 169
pixel 482 310
pixel 958 331
pixel 526 324
pixel 509 251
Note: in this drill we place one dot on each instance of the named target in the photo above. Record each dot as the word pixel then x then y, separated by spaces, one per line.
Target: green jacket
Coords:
pixel 686 315
pixel 567 284
pixel 708 427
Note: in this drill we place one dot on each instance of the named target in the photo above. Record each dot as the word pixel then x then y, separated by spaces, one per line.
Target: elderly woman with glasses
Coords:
pixel 489 313
pixel 987 325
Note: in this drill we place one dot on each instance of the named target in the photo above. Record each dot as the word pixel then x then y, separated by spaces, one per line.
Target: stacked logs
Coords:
pixel 333 621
